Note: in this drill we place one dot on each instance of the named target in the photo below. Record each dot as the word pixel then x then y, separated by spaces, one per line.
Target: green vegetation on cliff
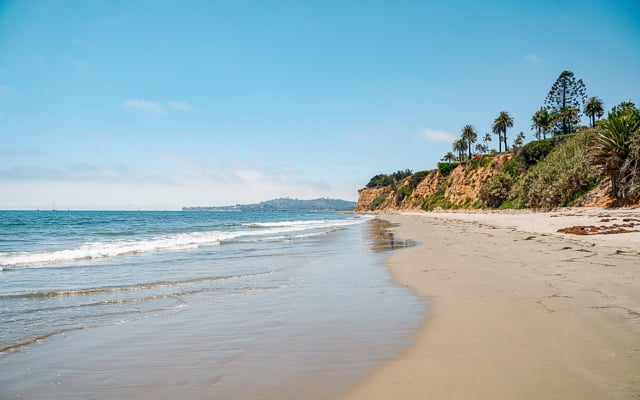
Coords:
pixel 565 173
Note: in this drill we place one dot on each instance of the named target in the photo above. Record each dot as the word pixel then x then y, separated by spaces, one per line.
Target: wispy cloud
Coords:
pixel 533 59
pixel 437 135
pixel 22 152
pixel 4 89
pixel 153 107
pixel 81 172
pixel 144 106
pixel 179 105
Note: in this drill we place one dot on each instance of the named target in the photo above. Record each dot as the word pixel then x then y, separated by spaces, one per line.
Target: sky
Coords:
pixel 155 104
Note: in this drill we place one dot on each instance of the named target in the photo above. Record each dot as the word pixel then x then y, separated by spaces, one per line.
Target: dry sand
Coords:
pixel 517 310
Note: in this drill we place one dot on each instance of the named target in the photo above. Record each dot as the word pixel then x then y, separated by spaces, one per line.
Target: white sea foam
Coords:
pixel 320 223
pixel 174 242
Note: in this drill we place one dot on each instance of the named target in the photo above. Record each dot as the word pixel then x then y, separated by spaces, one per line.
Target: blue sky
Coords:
pixel 163 104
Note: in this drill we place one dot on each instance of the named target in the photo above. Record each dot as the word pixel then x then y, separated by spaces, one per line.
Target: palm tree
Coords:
pixel 449 157
pixel 481 148
pixel 470 136
pixel 519 140
pixel 568 116
pixel 500 126
pixel 594 108
pixel 460 146
pixel 542 122
pixel 497 132
pixel 613 144
pixel 624 107
pixel 486 139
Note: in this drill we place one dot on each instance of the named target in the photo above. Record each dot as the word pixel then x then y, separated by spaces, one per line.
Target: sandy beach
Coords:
pixel 517 310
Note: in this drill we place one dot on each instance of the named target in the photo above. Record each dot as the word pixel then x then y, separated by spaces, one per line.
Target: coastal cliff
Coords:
pixel 543 174
pixel 460 188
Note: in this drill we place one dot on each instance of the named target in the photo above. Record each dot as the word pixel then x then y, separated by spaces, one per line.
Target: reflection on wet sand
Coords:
pixel 381 239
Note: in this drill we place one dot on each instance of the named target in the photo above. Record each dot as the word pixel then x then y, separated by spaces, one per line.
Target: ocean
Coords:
pixel 246 304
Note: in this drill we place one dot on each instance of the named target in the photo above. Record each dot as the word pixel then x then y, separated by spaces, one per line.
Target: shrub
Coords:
pixel 410 184
pixel 615 149
pixel 400 175
pixel 436 200
pixel 629 174
pixel 512 204
pixel 486 161
pixel 535 151
pixel 514 167
pixel 380 180
pixel 445 168
pixel 497 189
pixel 403 192
pixel 377 202
pixel 419 176
pixel 383 180
pixel 565 172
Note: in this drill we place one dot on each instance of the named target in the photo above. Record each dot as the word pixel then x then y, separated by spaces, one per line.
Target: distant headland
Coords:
pixel 285 204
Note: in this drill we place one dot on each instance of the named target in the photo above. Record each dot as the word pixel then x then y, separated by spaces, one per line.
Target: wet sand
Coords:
pixel 515 309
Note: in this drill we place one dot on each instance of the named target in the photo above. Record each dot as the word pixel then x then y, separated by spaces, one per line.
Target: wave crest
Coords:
pixel 174 242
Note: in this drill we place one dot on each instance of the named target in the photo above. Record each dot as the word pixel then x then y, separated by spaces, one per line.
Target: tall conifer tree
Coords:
pixel 565 94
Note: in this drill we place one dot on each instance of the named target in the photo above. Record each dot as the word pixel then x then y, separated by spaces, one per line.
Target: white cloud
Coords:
pixel 144 106
pixel 437 135
pixel 179 105
pixel 4 89
pixel 533 59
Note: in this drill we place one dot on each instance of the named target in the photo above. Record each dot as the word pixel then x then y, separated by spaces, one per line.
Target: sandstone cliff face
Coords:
pixel 366 198
pixel 424 189
pixel 467 182
pixel 459 189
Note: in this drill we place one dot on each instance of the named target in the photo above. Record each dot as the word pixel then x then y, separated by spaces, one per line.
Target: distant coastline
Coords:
pixel 285 204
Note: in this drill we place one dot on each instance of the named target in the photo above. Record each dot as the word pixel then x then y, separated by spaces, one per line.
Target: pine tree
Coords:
pixel 566 93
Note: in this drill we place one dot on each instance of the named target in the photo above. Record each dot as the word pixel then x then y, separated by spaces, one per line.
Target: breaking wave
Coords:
pixel 263 231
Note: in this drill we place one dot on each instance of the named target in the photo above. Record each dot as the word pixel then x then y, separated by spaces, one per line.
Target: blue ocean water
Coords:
pixel 239 287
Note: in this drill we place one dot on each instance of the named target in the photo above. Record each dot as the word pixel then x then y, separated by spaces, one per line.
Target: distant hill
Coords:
pixel 285 204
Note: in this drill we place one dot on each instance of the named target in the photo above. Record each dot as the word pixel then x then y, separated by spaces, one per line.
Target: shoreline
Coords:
pixel 515 309
pixel 281 319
